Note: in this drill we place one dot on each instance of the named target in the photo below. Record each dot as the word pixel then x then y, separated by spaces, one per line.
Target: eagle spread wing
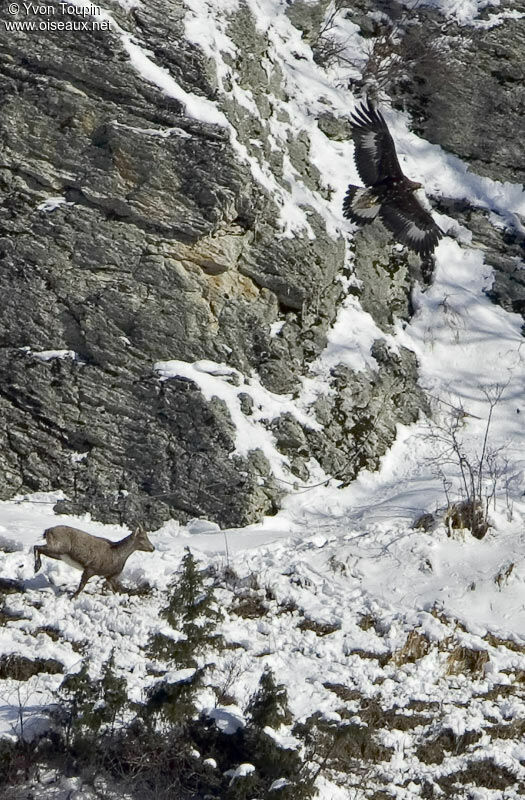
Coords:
pixel 411 224
pixel 375 153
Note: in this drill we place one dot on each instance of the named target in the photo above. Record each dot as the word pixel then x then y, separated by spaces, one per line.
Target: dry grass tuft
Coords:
pixel 320 628
pixel 416 646
pixel 343 692
pixel 502 578
pixel 20 668
pixel 250 607
pixel 467 514
pixel 497 641
pixel 465 660
pixel 367 621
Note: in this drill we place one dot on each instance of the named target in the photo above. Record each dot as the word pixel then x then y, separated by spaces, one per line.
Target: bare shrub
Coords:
pixel 480 466
pixel 394 51
pixel 327 49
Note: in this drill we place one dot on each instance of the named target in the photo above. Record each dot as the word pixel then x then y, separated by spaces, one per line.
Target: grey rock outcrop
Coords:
pixel 361 417
pixel 160 246
pixel 473 101
pixel 473 104
pixel 504 251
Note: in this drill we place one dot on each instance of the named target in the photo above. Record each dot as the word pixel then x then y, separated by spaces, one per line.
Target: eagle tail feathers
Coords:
pixel 360 205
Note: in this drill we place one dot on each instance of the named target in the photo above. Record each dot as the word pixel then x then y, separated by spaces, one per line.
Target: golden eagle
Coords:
pixel 388 193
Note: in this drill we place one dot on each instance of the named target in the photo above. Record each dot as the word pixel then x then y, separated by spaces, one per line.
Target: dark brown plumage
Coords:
pixel 388 194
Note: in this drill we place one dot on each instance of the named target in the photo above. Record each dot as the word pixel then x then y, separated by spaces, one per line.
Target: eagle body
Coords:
pixel 388 193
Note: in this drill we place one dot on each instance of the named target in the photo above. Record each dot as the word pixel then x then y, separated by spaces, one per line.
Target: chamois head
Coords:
pixel 141 541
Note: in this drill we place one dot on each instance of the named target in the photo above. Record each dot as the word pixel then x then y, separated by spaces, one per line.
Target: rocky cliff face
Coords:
pixel 473 105
pixel 144 218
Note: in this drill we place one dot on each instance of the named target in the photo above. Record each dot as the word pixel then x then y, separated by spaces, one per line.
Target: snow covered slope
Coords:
pixel 419 634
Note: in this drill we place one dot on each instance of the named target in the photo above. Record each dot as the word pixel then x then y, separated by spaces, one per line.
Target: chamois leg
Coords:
pixel 86 575
pixel 114 583
pixel 42 550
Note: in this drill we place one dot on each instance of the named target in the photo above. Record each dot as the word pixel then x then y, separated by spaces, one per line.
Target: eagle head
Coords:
pixel 413 185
